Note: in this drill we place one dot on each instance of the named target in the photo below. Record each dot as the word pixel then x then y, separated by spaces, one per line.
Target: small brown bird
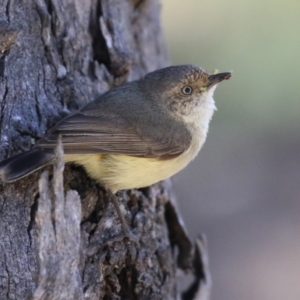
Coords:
pixel 135 134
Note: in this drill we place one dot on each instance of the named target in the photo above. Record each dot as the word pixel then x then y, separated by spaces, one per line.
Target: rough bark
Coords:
pixel 56 56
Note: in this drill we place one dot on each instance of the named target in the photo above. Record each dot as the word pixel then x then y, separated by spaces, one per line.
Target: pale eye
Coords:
pixel 187 90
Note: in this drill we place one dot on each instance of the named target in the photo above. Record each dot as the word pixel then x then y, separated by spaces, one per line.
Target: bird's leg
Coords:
pixel 127 233
pixel 125 226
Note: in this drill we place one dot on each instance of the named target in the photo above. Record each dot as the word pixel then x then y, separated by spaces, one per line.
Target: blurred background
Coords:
pixel 243 190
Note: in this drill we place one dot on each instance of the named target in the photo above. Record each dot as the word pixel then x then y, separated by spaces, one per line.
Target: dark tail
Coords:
pixel 23 164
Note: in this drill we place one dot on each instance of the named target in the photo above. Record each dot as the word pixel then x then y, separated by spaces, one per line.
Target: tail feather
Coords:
pixel 23 164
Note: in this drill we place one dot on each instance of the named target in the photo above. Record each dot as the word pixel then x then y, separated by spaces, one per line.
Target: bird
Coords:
pixel 134 135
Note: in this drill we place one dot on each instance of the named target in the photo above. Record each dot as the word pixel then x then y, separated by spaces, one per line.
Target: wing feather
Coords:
pixel 101 128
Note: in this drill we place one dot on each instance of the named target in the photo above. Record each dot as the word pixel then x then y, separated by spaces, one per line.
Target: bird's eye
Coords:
pixel 187 90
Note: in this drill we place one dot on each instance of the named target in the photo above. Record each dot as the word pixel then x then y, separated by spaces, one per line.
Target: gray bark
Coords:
pixel 56 56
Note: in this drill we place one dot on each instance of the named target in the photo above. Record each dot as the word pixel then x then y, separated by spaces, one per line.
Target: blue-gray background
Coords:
pixel 243 190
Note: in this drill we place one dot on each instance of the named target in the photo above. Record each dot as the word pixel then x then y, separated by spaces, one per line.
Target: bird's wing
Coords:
pixel 96 129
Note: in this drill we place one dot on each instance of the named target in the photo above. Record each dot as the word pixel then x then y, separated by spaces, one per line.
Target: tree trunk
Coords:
pixel 56 56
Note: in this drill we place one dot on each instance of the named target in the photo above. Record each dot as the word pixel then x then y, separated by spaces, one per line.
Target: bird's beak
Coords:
pixel 216 78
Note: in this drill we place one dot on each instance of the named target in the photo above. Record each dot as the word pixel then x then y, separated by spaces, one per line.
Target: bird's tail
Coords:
pixel 23 164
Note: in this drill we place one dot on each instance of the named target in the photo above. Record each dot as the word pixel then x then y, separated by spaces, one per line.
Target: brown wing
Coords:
pixel 101 128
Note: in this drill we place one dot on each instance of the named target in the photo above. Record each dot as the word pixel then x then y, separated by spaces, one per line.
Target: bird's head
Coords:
pixel 186 91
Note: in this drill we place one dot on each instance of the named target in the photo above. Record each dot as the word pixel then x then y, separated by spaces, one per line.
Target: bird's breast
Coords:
pixel 119 172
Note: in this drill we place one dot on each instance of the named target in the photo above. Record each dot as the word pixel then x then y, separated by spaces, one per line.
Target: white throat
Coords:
pixel 202 113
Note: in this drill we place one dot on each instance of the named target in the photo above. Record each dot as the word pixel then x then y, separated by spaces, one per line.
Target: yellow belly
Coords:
pixel 119 172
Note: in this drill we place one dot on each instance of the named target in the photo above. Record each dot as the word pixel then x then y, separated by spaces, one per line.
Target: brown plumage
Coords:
pixel 135 134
